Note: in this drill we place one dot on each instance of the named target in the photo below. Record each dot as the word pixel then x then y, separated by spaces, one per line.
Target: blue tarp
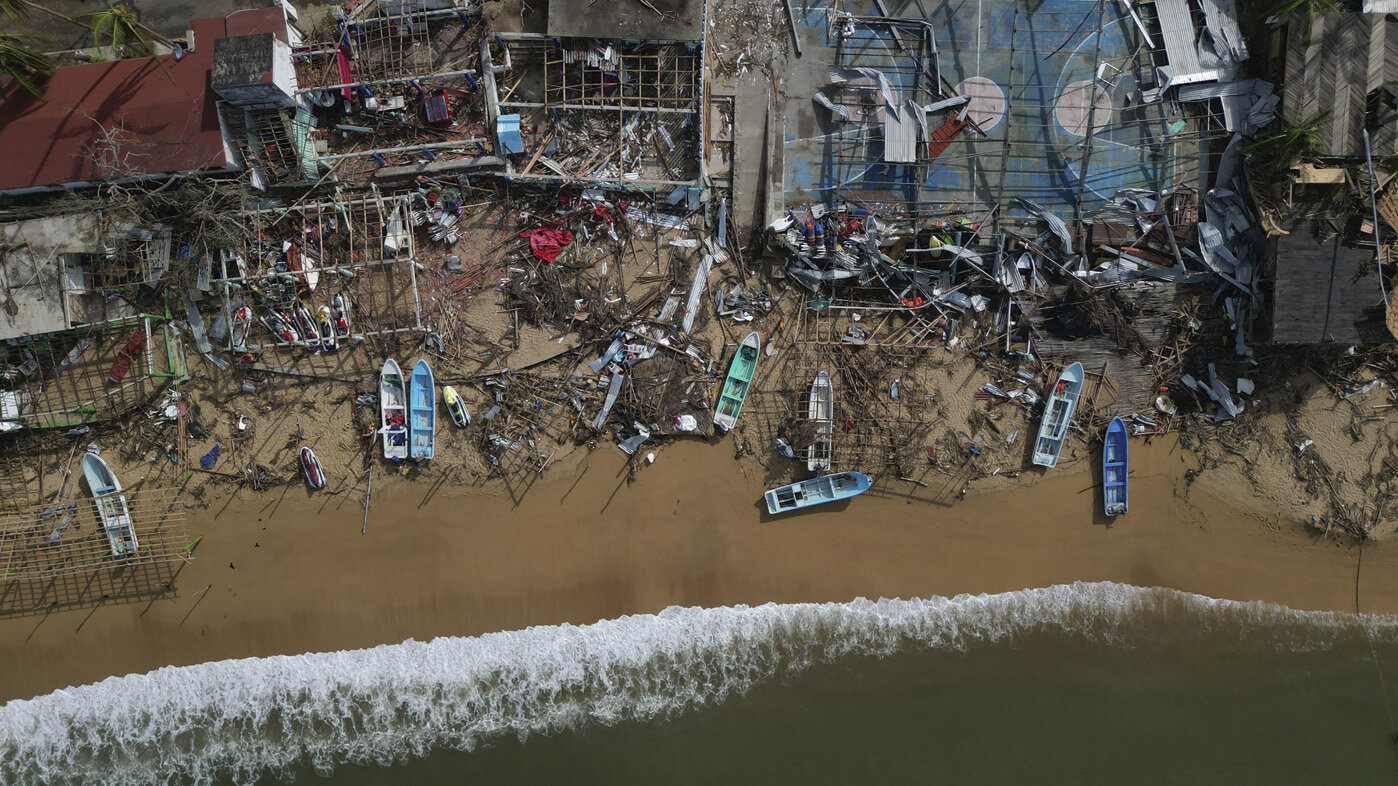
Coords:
pixel 210 458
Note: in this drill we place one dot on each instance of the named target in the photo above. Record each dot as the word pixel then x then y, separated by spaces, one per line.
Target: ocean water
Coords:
pixel 1084 683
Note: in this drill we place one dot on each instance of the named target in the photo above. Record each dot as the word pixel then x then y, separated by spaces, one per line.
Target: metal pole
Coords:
pixel 1374 218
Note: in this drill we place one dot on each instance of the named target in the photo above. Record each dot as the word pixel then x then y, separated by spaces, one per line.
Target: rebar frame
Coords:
pixel 346 238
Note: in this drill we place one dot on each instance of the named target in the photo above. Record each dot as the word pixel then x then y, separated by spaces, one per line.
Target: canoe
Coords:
pixel 393 411
pixel 112 509
pixel 242 320
pixel 1114 468
pixel 821 412
pixel 456 407
pixel 817 491
pixel 1058 414
pixel 422 412
pixel 310 464
pixel 326 323
pixel 343 318
pixel 735 387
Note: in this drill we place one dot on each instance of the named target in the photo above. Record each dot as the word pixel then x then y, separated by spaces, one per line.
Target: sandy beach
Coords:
pixel 291 573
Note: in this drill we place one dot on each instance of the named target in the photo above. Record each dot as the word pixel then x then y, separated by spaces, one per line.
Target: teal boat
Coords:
pixel 1114 467
pixel 422 412
pixel 817 491
pixel 1058 416
pixel 735 388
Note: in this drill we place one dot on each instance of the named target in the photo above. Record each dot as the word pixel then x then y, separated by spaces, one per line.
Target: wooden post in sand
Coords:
pixel 367 492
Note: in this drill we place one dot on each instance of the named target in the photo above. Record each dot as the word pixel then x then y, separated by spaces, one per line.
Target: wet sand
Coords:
pixel 291 573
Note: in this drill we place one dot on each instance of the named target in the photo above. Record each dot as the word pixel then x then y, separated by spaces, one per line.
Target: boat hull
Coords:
pixel 817 491
pixel 393 411
pixel 112 510
pixel 1058 416
pixel 456 408
pixel 736 385
pixel 820 410
pixel 422 413
pixel 310 465
pixel 1115 466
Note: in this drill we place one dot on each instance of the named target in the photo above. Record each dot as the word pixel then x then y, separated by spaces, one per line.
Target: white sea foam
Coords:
pixel 243 718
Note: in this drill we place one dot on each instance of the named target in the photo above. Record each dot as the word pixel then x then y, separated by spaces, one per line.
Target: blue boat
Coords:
pixel 816 491
pixel 422 412
pixel 1114 466
pixel 1058 416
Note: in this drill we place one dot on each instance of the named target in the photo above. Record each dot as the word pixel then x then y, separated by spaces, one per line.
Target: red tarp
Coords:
pixel 547 242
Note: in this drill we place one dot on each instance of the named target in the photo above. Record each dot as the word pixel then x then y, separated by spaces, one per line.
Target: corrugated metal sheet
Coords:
pixel 900 134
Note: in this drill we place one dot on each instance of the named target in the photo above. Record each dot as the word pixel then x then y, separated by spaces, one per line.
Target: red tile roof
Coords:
pixel 167 126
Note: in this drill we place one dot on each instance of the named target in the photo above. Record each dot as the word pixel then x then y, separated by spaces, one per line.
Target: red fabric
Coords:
pixel 547 242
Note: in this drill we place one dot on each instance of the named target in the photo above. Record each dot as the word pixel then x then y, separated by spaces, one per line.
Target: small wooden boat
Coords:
pixel 343 318
pixel 310 464
pixel 422 412
pixel 821 412
pixel 1058 414
pixel 112 509
pixel 455 407
pixel 1114 467
pixel 393 411
pixel 326 324
pixel 242 320
pixel 817 491
pixel 735 388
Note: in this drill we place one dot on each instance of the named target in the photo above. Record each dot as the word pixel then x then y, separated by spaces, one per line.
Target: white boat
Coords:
pixel 112 509
pixel 307 324
pixel 281 328
pixel 242 320
pixel 343 317
pixel 310 464
pixel 327 329
pixel 393 411
pixel 821 412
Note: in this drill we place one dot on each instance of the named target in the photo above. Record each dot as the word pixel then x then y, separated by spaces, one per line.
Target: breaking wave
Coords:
pixel 242 719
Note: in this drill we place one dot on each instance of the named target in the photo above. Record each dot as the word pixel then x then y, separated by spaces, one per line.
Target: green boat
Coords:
pixel 735 388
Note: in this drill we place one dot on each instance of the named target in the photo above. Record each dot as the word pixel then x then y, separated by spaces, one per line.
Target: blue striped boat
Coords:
pixel 422 412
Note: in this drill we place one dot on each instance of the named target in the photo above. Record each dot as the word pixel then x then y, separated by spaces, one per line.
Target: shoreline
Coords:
pixel 294 575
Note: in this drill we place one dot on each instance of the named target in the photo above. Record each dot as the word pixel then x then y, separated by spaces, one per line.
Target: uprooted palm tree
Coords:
pixel 1290 143
pixel 18 10
pixel 22 63
pixel 120 27
pixel 1308 9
